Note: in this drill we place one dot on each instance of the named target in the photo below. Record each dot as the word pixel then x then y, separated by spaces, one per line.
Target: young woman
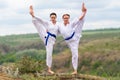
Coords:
pixel 71 31
pixel 47 31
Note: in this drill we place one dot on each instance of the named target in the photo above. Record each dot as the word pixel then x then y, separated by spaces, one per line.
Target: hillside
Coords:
pixel 99 52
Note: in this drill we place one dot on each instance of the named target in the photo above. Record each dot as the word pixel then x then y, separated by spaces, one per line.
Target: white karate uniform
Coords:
pixel 73 43
pixel 43 27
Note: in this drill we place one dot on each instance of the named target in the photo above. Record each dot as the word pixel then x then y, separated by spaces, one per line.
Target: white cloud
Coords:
pixel 15 18
pixel 101 24
pixel 17 29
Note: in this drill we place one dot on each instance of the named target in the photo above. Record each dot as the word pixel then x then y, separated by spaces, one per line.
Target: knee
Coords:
pixel 75 56
pixel 75 52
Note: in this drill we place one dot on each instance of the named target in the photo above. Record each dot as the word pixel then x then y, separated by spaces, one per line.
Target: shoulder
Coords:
pixel 59 24
pixel 75 19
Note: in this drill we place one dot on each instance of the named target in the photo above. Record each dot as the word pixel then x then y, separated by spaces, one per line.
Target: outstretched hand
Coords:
pixel 83 8
pixel 31 11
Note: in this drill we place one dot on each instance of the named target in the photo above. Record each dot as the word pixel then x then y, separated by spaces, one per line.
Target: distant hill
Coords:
pixel 99 51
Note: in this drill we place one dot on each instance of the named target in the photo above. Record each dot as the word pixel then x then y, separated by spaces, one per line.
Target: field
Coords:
pixel 99 53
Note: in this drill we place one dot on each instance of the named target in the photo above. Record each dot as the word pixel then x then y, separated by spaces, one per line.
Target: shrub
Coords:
pixel 29 65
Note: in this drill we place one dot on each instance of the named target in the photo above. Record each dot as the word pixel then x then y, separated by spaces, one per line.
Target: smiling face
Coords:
pixel 53 17
pixel 66 18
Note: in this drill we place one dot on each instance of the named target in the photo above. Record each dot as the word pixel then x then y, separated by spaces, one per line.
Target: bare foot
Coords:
pixel 31 11
pixel 83 8
pixel 51 72
pixel 74 73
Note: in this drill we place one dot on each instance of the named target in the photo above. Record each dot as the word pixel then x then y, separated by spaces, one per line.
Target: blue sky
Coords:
pixel 15 18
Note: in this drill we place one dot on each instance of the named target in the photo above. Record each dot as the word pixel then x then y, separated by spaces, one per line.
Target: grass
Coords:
pixel 98 52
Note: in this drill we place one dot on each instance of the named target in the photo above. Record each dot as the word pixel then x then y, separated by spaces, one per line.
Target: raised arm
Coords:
pixel 84 10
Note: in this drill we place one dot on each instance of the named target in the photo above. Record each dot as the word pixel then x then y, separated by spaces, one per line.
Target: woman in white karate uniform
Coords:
pixel 71 31
pixel 47 31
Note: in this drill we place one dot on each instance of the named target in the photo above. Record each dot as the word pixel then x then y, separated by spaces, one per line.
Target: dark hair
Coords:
pixel 65 15
pixel 53 14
